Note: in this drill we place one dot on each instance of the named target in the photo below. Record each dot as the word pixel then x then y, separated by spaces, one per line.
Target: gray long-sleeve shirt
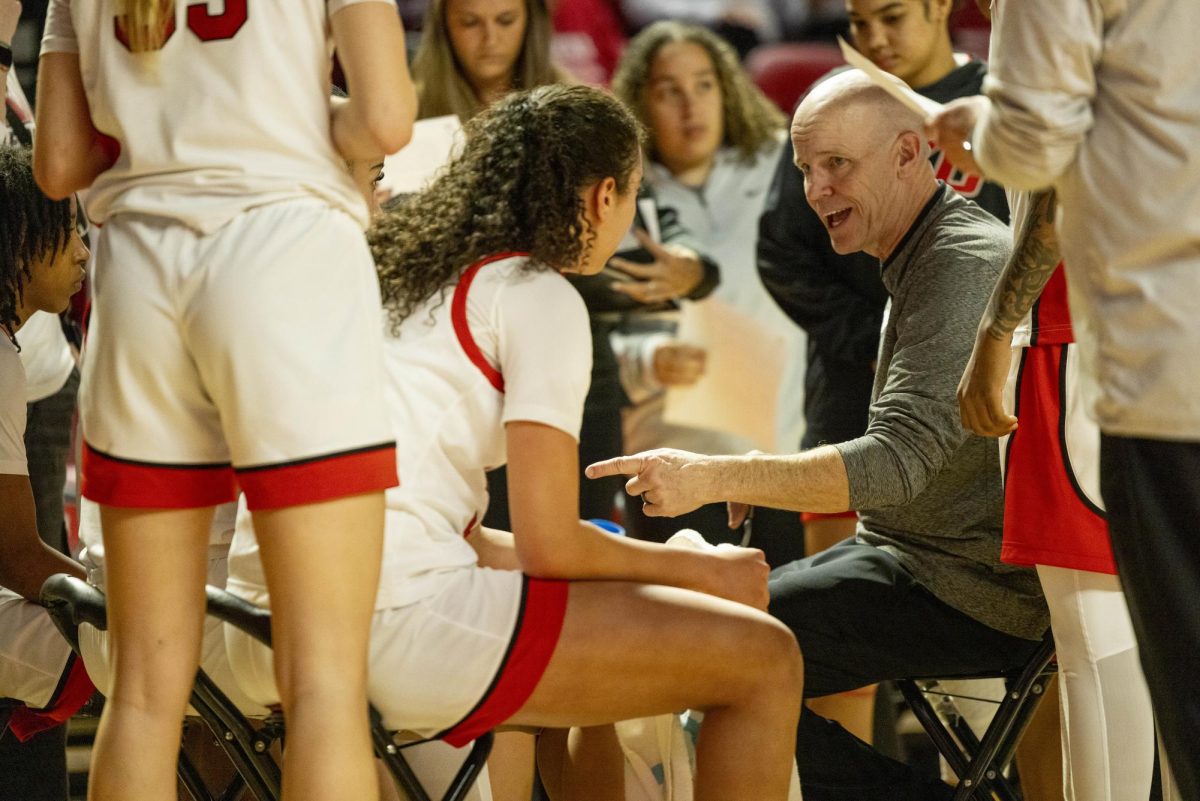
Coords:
pixel 926 490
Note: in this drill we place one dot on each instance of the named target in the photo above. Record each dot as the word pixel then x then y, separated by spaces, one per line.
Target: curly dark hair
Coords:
pixel 752 122
pixel 514 188
pixel 31 225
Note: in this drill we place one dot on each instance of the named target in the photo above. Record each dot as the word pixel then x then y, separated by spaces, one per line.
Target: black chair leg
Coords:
pixel 190 777
pixel 393 758
pixel 246 748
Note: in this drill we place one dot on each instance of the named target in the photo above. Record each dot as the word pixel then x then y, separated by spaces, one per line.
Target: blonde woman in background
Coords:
pixel 473 52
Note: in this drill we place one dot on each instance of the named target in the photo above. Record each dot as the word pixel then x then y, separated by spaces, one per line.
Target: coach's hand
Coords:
pixel 981 390
pixel 670 482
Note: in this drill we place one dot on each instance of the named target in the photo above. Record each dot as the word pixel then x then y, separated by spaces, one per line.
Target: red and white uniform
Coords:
pixel 505 344
pixel 233 337
pixel 1053 512
pixel 36 664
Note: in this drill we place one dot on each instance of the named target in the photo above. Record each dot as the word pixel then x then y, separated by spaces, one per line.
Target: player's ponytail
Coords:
pixel 145 23
pixel 515 187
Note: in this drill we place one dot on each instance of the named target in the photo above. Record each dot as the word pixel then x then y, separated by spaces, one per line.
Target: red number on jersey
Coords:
pixel 211 27
pixel 956 179
pixel 207 27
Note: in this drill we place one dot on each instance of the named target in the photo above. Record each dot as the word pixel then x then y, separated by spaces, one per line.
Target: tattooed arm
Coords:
pixel 1034 259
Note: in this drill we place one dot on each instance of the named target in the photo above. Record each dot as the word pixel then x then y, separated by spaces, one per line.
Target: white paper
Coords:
pixel 919 103
pixel 739 391
pixel 434 142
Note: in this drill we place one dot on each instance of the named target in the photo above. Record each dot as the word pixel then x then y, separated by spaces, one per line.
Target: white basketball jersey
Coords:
pixel 231 113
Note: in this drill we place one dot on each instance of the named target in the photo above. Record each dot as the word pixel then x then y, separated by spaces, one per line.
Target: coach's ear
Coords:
pixel 908 152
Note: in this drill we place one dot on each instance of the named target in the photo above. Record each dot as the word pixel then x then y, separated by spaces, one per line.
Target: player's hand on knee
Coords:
pixel 741 576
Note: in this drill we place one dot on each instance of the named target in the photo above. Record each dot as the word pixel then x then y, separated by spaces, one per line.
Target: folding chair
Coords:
pixel 256 622
pixel 979 763
pixel 71 602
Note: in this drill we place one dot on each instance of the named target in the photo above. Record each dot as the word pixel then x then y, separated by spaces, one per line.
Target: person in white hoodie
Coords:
pixel 1100 100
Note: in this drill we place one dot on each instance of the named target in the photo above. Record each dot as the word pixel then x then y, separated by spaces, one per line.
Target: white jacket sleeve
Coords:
pixel 1041 82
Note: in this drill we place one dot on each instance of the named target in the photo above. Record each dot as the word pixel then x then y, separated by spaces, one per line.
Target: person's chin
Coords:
pixel 844 245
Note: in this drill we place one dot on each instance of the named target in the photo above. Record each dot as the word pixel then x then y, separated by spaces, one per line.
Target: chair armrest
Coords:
pixel 253 620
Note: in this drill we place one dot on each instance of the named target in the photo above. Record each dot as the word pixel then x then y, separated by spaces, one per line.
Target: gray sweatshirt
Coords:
pixel 926 490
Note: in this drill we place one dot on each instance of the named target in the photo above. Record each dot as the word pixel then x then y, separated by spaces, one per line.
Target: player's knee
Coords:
pixel 770 661
pixel 787 660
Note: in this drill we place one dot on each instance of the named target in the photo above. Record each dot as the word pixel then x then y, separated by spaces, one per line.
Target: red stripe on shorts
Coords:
pixel 809 517
pixel 1048 519
pixel 113 481
pixel 321 478
pixel 543 610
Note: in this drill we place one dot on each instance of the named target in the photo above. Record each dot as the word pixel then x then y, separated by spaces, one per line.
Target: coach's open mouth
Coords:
pixel 836 218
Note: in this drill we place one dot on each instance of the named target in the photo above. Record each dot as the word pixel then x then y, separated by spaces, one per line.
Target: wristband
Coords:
pixel 5 55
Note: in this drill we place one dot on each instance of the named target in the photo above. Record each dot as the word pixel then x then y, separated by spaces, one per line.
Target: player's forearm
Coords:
pixel 361 131
pixel 1033 261
pixel 594 555
pixel 25 571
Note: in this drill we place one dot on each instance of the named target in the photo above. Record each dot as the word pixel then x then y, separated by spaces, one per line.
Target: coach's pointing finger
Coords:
pixel 620 466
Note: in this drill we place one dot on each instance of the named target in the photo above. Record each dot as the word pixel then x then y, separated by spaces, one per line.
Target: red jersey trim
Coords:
pixel 113 481
pixel 458 316
pixel 74 691
pixel 539 625
pixel 319 478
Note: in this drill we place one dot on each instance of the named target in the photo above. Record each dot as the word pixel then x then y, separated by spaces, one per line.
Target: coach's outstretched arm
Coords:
pixel 672 482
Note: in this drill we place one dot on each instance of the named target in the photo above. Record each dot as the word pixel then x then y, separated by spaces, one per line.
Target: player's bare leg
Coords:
pixel 156 565
pixel 633 650
pixel 510 766
pixel 322 568
pixel 582 764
